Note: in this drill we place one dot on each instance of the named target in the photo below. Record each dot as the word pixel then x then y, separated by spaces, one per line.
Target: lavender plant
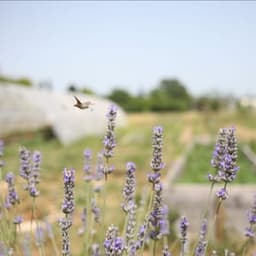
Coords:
pixel 29 170
pixel 250 230
pixel 202 244
pixel 152 229
pixel 68 206
pixel 158 224
pixel 12 197
pixel 183 233
pixel 224 161
pixel 113 244
pixel 129 207
pixel 109 139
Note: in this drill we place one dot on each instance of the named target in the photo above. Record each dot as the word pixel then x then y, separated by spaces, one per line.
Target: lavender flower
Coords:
pixel 166 252
pixel 156 216
pixel 25 167
pixel 154 177
pixel 12 197
pixel 158 222
pixel 17 220
pixel 201 246
pixel 95 211
pixel 84 222
pixel 29 170
pixel 113 244
pixel 99 167
pixel 156 162
pixel 130 229
pixel 129 187
pixel 225 156
pixel 222 194
pixel 141 236
pixel 87 165
pixel 68 204
pixel 164 222
pixel 183 230
pixel 39 236
pixel 157 143
pixel 224 160
pixel 249 231
pixel 129 207
pixel 36 159
pixel 219 151
pixel 65 224
pixel 109 139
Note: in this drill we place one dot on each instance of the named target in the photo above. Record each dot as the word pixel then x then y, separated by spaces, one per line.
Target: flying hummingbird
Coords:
pixel 82 105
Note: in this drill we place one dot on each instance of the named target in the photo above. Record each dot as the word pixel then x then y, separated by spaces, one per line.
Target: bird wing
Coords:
pixel 77 100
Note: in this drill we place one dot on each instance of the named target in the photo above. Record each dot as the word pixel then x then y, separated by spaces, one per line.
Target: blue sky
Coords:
pixel 210 46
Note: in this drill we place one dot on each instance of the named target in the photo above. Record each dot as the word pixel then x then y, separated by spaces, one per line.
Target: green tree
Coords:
pixel 205 103
pixel 170 95
pixel 72 88
pixel 121 97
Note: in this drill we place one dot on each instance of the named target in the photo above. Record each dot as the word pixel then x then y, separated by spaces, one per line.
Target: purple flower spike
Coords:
pixel 25 165
pixel 114 245
pixel 183 228
pixel 250 231
pixel 166 252
pixel 157 143
pixel 164 222
pixel 87 165
pixel 99 175
pixel 68 204
pixel 12 197
pixel 82 229
pixel 95 211
pixel 109 139
pixel 18 220
pixel 201 246
pixel 222 194
pixel 30 170
pixel 129 187
pixel 225 156
pixel 36 166
pixel 154 177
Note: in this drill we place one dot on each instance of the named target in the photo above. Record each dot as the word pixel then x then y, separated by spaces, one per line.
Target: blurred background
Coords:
pixel 188 66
